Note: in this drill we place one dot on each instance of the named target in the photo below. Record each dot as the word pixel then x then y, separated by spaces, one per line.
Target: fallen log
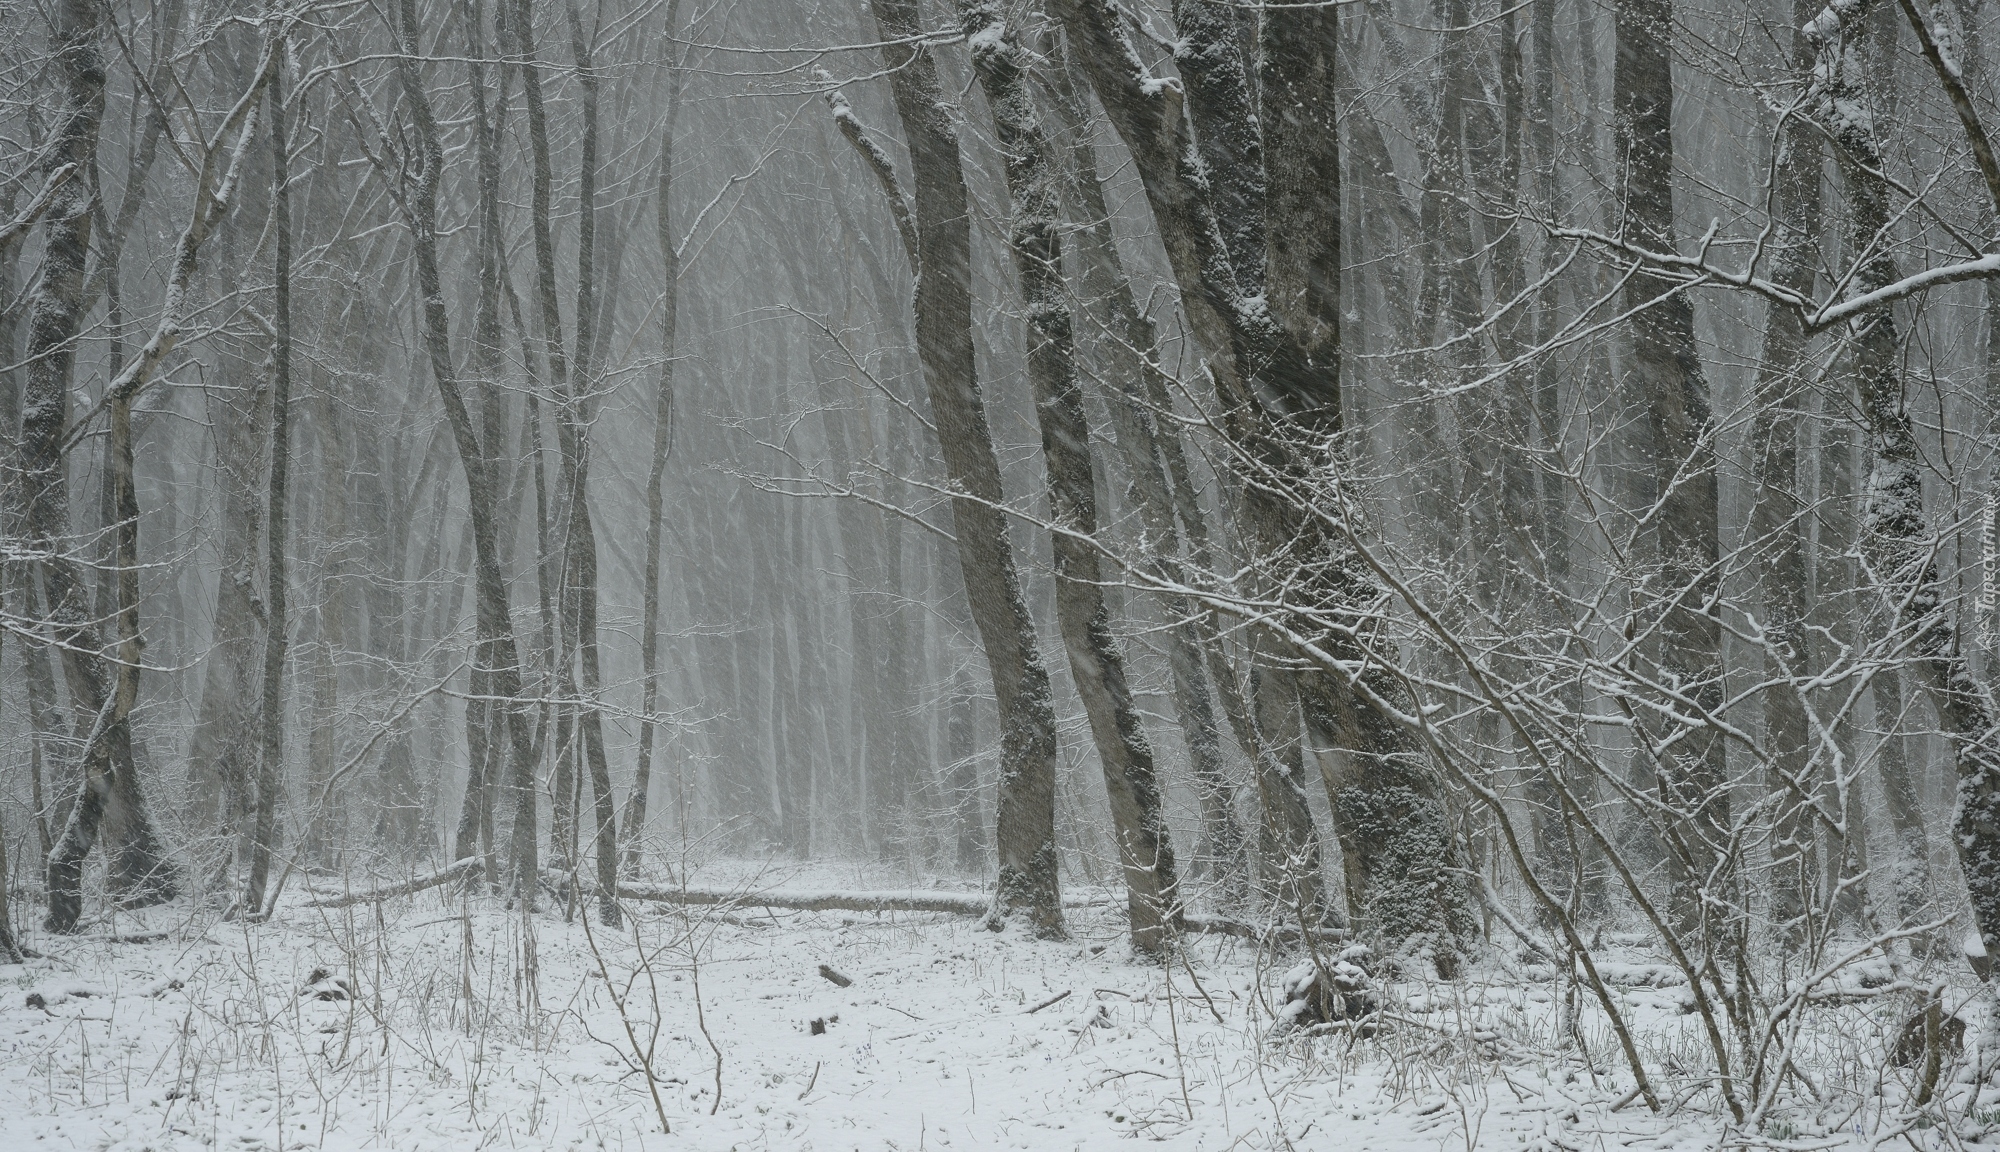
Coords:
pixel 446 875
pixel 923 900
pixel 807 900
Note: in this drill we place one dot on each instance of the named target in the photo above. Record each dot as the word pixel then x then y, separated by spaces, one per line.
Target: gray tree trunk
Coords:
pixel 272 726
pixel 1896 539
pixel 1097 667
pixel 1025 821
pixel 1779 517
pixel 491 607
pixel 110 781
pixel 1138 388
pixel 663 440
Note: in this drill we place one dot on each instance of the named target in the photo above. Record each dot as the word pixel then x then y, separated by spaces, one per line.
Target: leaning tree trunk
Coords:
pixel 1148 117
pixel 1025 823
pixel 1149 453
pixel 1145 852
pixel 887 743
pixel 1277 371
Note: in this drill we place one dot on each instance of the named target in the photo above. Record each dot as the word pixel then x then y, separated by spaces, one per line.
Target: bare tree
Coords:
pixel 1025 822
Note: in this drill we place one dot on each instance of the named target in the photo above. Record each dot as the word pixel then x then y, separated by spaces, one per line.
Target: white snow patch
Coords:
pixel 472 1027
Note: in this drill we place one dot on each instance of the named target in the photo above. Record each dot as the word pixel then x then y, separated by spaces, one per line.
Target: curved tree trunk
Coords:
pixel 1139 386
pixel 101 701
pixel 495 621
pixel 1025 822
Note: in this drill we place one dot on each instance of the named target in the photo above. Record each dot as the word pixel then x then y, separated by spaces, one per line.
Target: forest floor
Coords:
pixel 439 1021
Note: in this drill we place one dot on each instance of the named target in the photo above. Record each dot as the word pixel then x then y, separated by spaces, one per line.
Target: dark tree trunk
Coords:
pixel 573 430
pixel 1025 822
pixel 1277 371
pixel 1896 540
pixel 1778 519
pixel 481 497
pixel 271 761
pixel 1665 380
pixel 483 718
pixel 1139 387
pixel 1097 666
pixel 110 783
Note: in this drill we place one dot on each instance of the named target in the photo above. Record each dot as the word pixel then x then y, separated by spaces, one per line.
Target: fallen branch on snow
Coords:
pixel 914 900
pixel 464 867
pixel 906 900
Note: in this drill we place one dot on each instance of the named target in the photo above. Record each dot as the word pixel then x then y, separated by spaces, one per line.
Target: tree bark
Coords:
pixel 1666 380
pixel 1896 539
pixel 10 949
pixel 1139 387
pixel 1779 517
pixel 110 785
pixel 270 767
pixel 663 442
pixel 1277 376
pixel 1097 667
pixel 484 719
pixel 491 606
pixel 1025 821
pixel 573 431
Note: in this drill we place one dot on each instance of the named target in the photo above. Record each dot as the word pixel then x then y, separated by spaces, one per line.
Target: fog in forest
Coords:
pixel 879 574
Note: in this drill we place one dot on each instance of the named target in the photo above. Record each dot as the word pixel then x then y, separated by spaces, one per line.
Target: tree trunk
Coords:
pixel 1139 387
pixel 109 779
pixel 634 830
pixel 1779 518
pixel 1896 539
pixel 1097 667
pixel 573 430
pixel 491 590
pixel 10 949
pixel 1025 822
pixel 483 719
pixel 223 749
pixel 271 761
pixel 962 785
pixel 1666 380
pixel 1277 372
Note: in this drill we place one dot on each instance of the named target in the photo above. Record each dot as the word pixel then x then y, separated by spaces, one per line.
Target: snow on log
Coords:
pixel 442 876
pixel 807 900
pixel 916 900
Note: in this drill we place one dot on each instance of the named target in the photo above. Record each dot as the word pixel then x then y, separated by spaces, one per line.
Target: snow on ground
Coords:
pixel 440 1022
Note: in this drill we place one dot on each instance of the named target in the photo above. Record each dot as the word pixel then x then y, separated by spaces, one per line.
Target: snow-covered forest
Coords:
pixel 891 574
